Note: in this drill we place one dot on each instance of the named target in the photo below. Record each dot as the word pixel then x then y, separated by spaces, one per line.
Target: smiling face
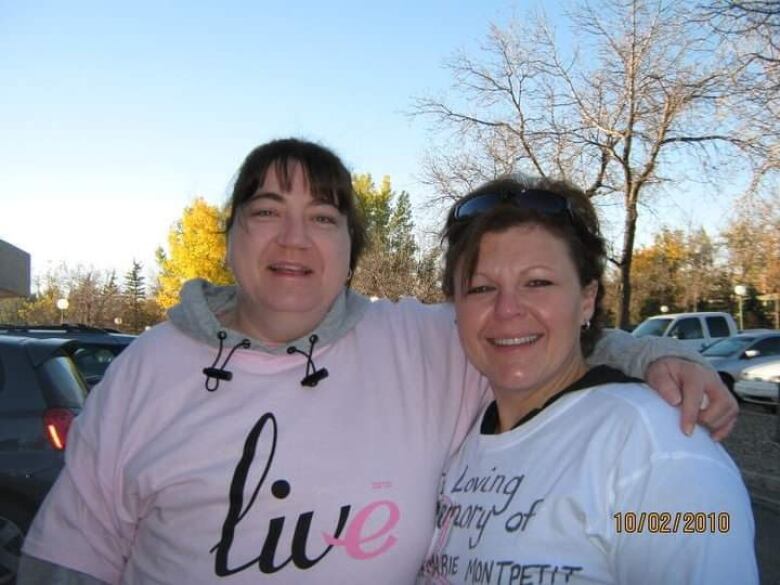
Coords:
pixel 290 255
pixel 519 317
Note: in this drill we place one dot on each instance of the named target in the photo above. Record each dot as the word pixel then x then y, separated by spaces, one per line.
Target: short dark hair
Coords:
pixel 327 176
pixel 580 232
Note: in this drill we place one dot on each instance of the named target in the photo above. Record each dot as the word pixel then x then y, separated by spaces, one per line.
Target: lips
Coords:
pixel 515 341
pixel 289 269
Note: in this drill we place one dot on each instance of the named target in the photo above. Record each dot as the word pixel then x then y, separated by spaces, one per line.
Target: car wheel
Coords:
pixel 729 382
pixel 14 521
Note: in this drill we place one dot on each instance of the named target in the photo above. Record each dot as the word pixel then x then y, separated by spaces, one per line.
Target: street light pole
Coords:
pixel 62 305
pixel 739 302
pixel 740 290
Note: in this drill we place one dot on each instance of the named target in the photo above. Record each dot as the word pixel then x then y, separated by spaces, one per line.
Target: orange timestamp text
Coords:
pixel 672 522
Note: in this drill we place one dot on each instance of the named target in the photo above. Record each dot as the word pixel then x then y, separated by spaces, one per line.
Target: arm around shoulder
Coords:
pixel 633 356
pixel 680 376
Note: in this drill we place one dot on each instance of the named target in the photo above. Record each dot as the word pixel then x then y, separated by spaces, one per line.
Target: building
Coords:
pixel 14 271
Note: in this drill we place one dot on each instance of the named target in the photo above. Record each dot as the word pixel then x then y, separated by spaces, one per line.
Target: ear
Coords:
pixel 588 307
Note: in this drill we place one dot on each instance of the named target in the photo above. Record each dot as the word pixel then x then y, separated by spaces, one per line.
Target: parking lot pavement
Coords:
pixel 767 541
pixel 753 446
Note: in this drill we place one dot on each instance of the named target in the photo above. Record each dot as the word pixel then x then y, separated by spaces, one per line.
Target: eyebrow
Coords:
pixel 266 195
pixel 274 196
pixel 548 267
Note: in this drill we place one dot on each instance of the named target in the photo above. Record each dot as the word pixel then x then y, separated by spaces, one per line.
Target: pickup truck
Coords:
pixel 695 330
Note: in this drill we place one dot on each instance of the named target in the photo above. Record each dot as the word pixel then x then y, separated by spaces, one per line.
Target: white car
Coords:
pixel 694 330
pixel 749 349
pixel 760 384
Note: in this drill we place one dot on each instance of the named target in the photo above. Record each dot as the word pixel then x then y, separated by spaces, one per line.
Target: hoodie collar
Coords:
pixel 201 302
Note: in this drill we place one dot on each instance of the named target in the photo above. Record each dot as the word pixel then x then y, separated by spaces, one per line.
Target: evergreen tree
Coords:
pixel 135 295
pixel 390 267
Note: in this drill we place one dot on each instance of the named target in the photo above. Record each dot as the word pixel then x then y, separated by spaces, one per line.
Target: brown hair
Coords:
pixel 580 232
pixel 327 176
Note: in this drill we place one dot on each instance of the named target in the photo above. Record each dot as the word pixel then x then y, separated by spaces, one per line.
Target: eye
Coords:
pixel 262 212
pixel 479 289
pixel 325 219
pixel 538 282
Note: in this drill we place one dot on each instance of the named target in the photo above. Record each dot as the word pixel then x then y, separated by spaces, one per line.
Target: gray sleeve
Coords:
pixel 632 356
pixel 34 571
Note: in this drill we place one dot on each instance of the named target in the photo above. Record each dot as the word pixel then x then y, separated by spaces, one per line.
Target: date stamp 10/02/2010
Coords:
pixel 672 522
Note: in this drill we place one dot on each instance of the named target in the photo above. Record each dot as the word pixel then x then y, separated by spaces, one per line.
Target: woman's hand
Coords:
pixel 700 393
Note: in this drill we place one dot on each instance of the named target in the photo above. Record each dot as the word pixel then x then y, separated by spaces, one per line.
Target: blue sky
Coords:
pixel 114 116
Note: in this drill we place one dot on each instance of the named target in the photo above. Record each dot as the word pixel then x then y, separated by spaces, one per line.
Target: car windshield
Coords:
pixel 651 327
pixel 727 347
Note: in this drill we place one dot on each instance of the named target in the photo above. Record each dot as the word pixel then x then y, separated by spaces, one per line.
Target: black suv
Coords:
pixel 41 392
pixel 95 347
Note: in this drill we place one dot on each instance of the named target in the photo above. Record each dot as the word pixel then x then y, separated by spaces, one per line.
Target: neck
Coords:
pixel 513 405
pixel 272 330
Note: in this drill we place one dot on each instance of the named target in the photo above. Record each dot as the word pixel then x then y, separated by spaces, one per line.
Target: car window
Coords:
pixel 718 327
pixel 654 327
pixel 62 382
pixel 768 346
pixel 93 361
pixel 688 328
pixel 727 347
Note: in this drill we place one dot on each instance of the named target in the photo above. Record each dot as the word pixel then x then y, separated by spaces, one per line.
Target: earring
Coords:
pixel 586 325
pixel 349 275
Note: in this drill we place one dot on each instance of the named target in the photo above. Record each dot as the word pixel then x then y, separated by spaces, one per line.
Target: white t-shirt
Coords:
pixel 598 487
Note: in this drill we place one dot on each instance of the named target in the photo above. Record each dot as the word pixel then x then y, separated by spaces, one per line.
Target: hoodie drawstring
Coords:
pixel 220 373
pixel 313 375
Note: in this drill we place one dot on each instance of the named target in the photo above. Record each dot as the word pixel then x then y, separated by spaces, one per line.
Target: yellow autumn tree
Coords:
pixel 656 274
pixel 679 270
pixel 196 249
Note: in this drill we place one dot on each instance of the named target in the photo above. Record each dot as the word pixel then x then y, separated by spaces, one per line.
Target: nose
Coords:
pixel 293 232
pixel 508 304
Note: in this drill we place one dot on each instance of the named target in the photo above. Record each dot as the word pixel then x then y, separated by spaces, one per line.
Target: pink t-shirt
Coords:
pixel 264 480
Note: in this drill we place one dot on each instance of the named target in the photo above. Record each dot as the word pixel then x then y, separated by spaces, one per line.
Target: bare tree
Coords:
pixel 642 95
pixel 750 30
pixel 755 23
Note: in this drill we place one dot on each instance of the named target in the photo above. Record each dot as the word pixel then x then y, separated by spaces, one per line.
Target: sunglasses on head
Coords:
pixel 543 202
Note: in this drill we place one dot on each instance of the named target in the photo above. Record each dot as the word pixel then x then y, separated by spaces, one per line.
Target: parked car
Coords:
pixel 695 330
pixel 732 355
pixel 760 384
pixel 96 347
pixel 41 392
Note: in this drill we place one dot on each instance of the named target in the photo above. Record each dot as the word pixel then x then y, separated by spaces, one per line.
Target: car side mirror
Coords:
pixel 751 353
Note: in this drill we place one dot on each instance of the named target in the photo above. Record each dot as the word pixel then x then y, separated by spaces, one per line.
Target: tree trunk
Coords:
pixel 624 304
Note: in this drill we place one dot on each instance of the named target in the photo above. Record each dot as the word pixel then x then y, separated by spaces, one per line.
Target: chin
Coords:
pixel 512 383
pixel 288 305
